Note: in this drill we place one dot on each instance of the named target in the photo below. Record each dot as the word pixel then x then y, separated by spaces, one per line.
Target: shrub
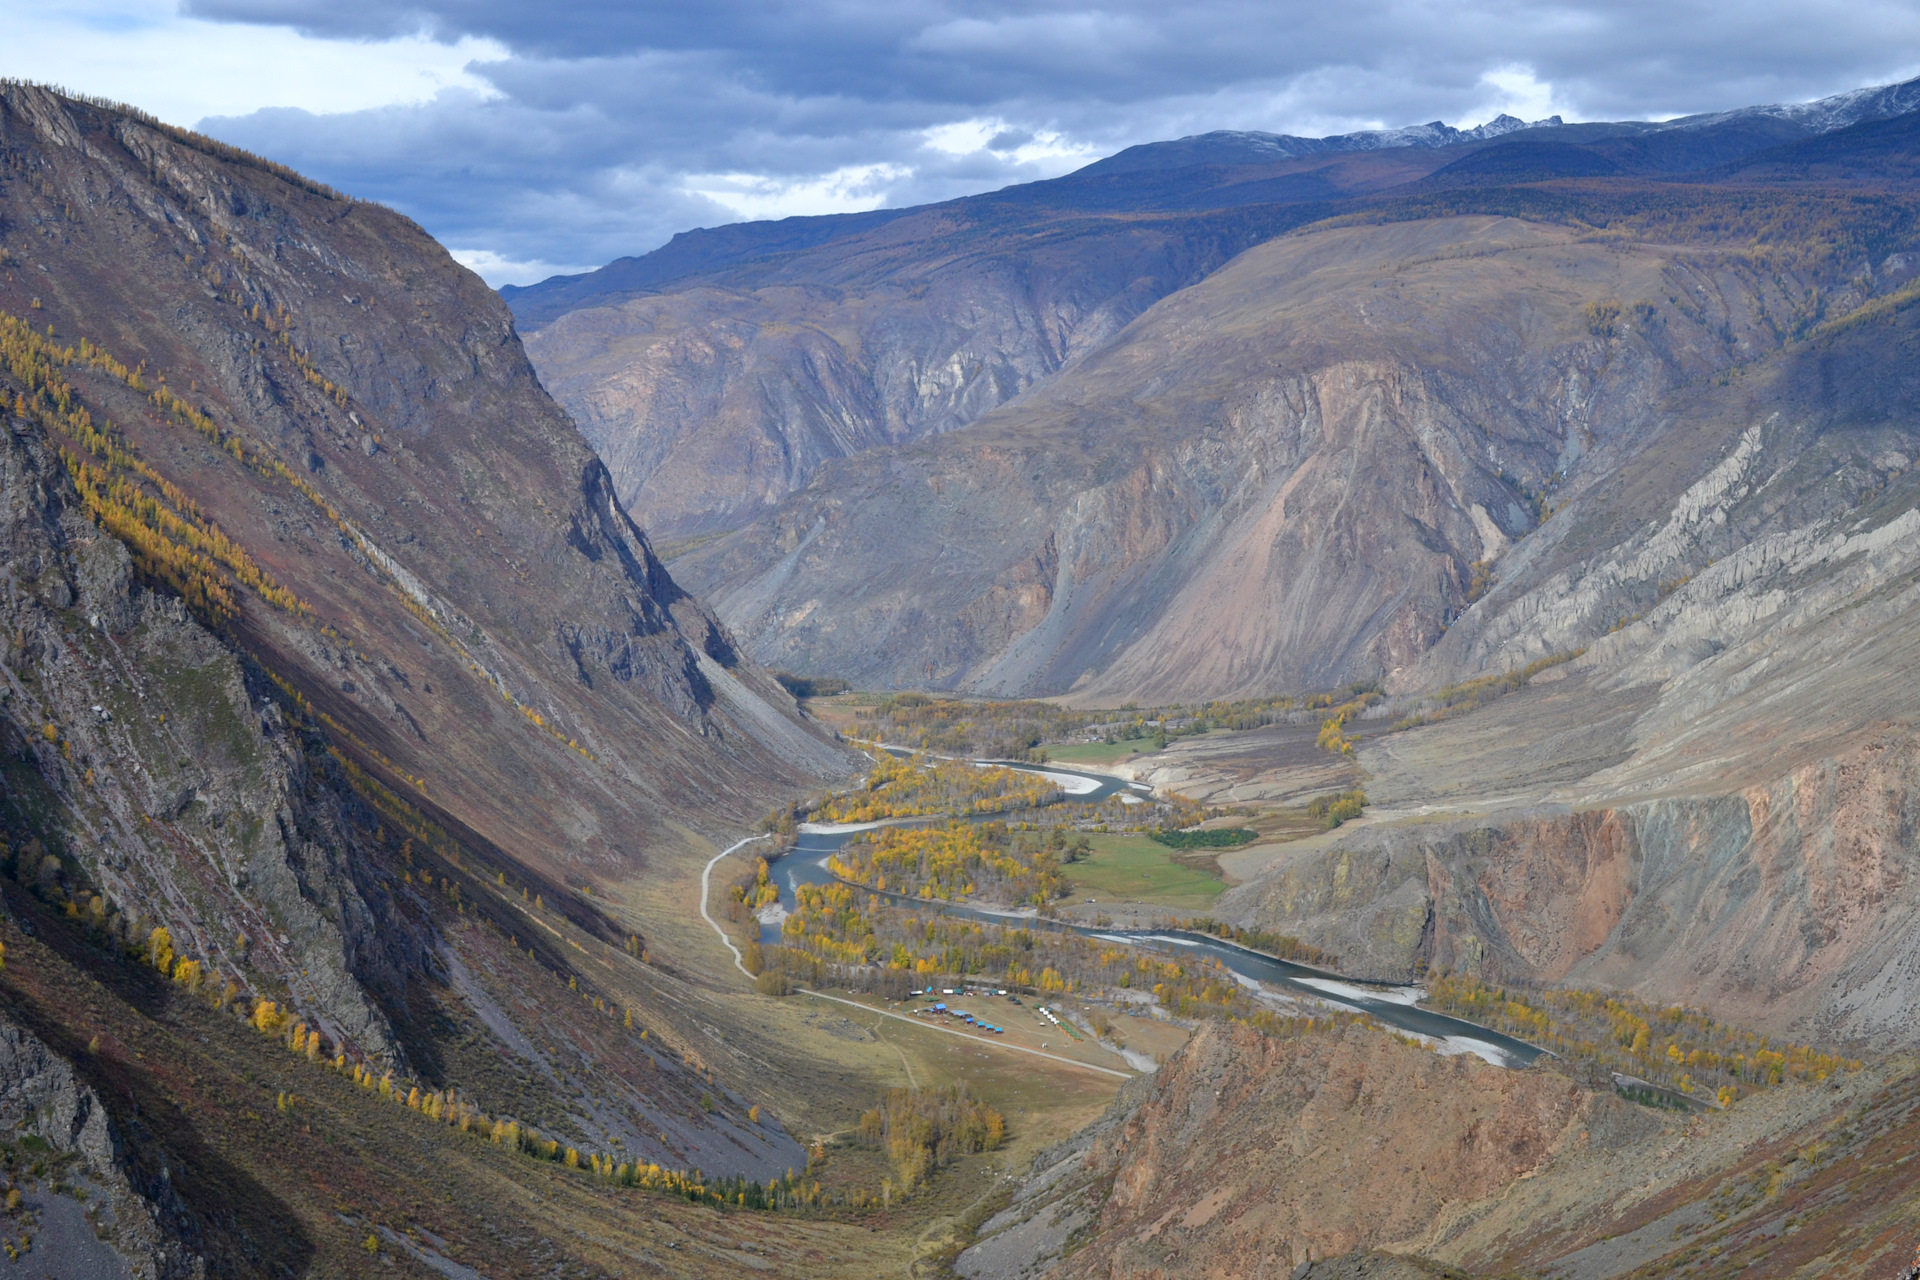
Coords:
pixel 811 686
pixel 1220 838
pixel 1335 810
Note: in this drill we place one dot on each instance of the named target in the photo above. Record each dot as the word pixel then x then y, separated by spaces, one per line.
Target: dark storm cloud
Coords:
pixel 605 113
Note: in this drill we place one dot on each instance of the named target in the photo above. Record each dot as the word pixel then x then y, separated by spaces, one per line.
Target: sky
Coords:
pixel 534 138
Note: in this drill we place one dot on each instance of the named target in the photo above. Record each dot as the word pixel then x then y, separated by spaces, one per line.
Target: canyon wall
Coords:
pixel 1784 906
pixel 1278 478
pixel 1349 1153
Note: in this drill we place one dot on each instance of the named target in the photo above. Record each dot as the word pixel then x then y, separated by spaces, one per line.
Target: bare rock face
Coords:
pixel 41 1098
pixel 173 778
pixel 715 398
pixel 1277 478
pixel 1714 802
pixel 1256 1156
pixel 1353 1154
pixel 1376 1141
pixel 1786 905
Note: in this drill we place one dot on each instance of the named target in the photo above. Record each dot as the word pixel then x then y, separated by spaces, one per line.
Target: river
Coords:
pixel 1393 1006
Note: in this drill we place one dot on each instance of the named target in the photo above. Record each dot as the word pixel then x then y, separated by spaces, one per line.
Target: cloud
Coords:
pixel 1517 92
pixel 498 270
pixel 574 131
pixel 184 69
pixel 750 196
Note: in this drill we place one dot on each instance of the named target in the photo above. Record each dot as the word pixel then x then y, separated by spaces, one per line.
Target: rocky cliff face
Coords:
pixel 1785 905
pixel 148 773
pixel 1278 478
pixel 1716 800
pixel 713 401
pixel 1353 1154
pixel 1274 1153
pixel 140 1228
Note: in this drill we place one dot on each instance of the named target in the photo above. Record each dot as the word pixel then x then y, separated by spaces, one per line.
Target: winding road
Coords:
pixel 706 891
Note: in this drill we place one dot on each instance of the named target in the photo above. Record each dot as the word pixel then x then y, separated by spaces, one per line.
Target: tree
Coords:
pixel 160 949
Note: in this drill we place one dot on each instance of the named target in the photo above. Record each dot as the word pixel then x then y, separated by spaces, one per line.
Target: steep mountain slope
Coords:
pixel 1278 478
pixel 719 373
pixel 1741 834
pixel 912 329
pixel 340 691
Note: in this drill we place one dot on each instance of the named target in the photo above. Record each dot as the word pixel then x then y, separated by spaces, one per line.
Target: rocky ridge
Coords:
pixel 1353 1154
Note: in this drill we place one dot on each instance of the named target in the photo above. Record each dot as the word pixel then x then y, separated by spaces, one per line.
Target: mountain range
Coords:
pixel 1233 395
pixel 397 677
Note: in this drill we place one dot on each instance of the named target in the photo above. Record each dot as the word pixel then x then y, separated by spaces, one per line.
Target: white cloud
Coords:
pixel 853 189
pixel 1053 152
pixel 497 270
pixel 1516 91
pixel 964 137
pixel 186 69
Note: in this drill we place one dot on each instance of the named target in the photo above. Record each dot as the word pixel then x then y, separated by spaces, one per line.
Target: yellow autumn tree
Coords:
pixel 160 949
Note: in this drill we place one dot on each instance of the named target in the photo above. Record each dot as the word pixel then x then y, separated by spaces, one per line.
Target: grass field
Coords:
pixel 1134 868
pixel 1096 752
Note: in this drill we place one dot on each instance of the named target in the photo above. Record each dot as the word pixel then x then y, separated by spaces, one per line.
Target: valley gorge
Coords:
pixel 1471 570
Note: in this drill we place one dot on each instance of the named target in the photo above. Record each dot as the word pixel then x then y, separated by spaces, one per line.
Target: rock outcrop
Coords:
pixel 147 1234
pixel 1256 1156
pixel 1355 1154
pixel 1278 1152
pixel 157 776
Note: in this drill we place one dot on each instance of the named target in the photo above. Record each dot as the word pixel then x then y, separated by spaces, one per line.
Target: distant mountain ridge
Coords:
pixel 1234 146
pixel 1669 145
pixel 718 374
pixel 1240 147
